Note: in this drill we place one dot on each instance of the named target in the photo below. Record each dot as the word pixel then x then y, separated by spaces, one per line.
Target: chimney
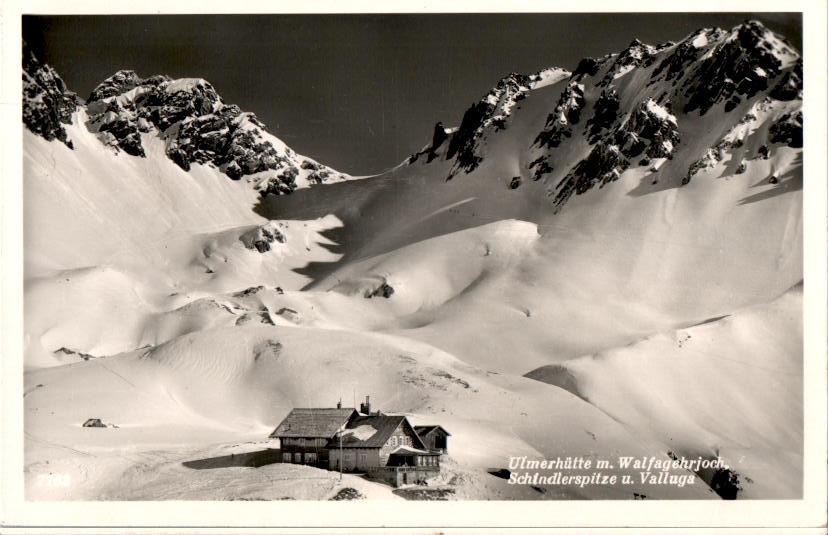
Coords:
pixel 365 408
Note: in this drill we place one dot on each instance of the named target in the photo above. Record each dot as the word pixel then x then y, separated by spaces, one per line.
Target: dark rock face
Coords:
pixel 790 86
pixel 787 130
pixel 635 55
pixel 490 112
pixel 606 113
pixel 47 103
pixel 197 127
pixel 648 127
pixel 725 483
pixel 437 139
pixel 262 237
pixel 439 136
pixel 587 66
pixel 117 84
pixel 714 67
pixel 463 143
pixel 283 183
pixel 674 66
pixel 604 164
pixel 567 113
pixel 739 67
pixel 189 114
pixel 113 124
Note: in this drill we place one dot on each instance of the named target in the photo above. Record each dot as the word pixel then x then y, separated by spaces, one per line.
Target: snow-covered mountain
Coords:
pixel 196 126
pixel 591 263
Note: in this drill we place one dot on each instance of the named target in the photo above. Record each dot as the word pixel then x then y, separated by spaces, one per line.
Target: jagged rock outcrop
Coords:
pixel 197 127
pixel 605 113
pixel 604 164
pixel 261 238
pixel 736 69
pixel 567 113
pixel 649 127
pixel 790 86
pixel 120 82
pixel 787 130
pixel 491 112
pixel 47 103
pixel 711 68
pixel 673 67
pixel 586 67
pixel 440 135
pixel 192 119
pixel 635 55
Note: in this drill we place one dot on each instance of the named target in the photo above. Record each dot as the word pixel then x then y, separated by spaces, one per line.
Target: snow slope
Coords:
pixel 164 398
pixel 692 388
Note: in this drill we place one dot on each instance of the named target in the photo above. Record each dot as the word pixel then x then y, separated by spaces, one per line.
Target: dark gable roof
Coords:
pixel 425 430
pixel 385 426
pixel 319 423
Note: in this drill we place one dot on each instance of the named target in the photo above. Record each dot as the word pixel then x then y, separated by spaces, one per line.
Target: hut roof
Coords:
pixel 425 430
pixel 317 423
pixel 384 426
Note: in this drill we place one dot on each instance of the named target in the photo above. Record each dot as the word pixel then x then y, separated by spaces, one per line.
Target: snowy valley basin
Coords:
pixel 591 287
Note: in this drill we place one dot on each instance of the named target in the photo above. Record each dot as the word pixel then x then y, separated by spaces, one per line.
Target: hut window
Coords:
pixel 363 459
pixel 393 441
pixel 310 457
pixel 286 457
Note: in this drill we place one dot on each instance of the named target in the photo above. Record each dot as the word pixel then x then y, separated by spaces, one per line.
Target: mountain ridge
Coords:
pixel 714 67
pixel 188 114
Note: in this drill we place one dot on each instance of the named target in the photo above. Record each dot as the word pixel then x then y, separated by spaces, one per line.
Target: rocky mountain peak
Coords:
pixel 627 110
pixel 188 114
pixel 735 66
pixel 490 112
pixel 47 103
pixel 117 84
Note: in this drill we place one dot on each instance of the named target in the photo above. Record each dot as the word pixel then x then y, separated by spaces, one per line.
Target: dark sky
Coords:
pixel 357 92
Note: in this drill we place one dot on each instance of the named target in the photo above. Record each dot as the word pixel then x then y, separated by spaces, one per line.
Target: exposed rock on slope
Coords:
pixel 638 105
pixel 261 238
pixel 197 127
pixel 47 103
pixel 567 113
pixel 188 114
